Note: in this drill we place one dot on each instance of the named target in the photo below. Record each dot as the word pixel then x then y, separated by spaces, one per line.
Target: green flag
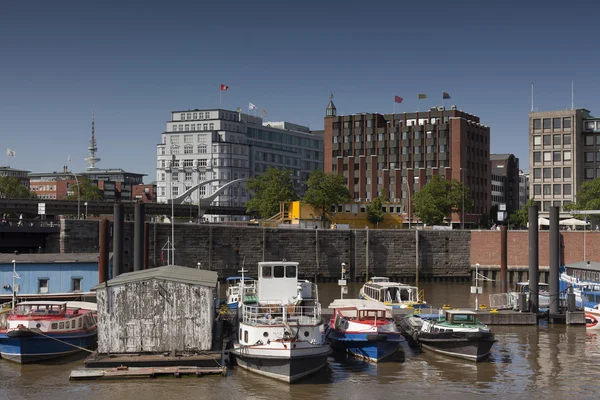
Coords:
pixel 422 96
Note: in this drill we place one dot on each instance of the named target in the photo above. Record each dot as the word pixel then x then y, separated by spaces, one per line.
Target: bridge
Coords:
pixel 69 207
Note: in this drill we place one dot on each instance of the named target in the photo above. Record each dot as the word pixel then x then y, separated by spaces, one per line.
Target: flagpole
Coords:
pixel 220 97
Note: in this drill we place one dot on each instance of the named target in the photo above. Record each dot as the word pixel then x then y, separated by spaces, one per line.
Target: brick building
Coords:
pixel 396 154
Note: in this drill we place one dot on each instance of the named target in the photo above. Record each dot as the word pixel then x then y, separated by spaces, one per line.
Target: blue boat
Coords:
pixel 584 278
pixel 364 329
pixel 42 330
pixel 239 290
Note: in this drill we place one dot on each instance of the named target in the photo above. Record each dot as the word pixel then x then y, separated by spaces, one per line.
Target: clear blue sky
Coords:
pixel 133 62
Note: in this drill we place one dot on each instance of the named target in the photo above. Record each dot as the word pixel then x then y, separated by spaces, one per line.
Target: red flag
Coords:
pixel 224 87
pixel 398 99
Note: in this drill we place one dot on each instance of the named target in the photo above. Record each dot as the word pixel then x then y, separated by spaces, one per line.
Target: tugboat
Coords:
pixel 282 335
pixel 458 333
pixel 364 329
pixel 42 330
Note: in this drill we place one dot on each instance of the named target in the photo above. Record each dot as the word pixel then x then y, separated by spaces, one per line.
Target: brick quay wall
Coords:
pixel 438 255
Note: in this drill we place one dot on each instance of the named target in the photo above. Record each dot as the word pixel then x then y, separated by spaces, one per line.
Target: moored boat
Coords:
pixel 41 330
pixel 363 328
pixel 592 317
pixel 393 294
pixel 241 289
pixel 458 333
pixel 282 335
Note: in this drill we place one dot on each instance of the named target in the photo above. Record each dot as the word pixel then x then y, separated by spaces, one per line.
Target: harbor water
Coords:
pixel 545 361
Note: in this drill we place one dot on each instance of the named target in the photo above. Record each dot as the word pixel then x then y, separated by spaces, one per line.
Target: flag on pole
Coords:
pixel 224 87
pixel 251 106
pixel 422 96
pixel 445 95
pixel 10 153
pixel 264 113
pixel 398 99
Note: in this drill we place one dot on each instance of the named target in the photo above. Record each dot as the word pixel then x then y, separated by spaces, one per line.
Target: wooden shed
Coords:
pixel 165 309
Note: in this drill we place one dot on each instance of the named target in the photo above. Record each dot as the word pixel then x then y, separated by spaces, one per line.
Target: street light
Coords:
pixel 86 214
pixel 171 169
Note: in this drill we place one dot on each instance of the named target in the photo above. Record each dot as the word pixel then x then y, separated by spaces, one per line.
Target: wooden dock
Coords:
pixel 143 372
pixel 206 359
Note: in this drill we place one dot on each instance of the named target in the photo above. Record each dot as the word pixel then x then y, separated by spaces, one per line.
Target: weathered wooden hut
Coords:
pixel 165 309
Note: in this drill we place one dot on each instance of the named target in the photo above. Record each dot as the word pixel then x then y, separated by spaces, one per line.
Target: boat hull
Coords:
pixel 289 366
pixel 473 346
pixel 28 347
pixel 370 347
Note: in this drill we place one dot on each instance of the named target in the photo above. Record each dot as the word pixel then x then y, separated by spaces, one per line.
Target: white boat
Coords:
pixel 240 289
pixel 393 294
pixel 282 335
pixel 592 317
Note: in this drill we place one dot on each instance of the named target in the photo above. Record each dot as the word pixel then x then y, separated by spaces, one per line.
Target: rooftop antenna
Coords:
pixel 92 149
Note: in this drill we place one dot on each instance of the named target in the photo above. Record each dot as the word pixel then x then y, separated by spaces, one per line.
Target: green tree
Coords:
pixel 520 218
pixel 440 197
pixel 88 191
pixel 374 212
pixel 587 197
pixel 324 190
pixel 12 188
pixel 269 190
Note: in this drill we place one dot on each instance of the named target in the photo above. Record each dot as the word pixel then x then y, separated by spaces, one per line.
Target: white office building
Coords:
pixel 228 145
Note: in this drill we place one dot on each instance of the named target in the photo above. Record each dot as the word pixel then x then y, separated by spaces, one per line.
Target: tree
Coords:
pixel 520 218
pixel 88 191
pixel 588 197
pixel 12 188
pixel 269 190
pixel 374 212
pixel 324 190
pixel 440 197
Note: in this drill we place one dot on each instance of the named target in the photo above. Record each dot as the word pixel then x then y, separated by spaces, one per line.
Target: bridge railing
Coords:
pixel 31 223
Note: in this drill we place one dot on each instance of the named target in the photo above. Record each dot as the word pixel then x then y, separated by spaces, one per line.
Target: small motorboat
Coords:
pixel 42 330
pixel 239 290
pixel 365 329
pixel 457 333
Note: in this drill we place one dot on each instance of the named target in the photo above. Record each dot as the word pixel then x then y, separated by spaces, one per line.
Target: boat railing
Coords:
pixel 277 313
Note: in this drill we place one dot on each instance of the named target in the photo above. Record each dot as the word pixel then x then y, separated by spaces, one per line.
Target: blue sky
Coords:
pixel 133 62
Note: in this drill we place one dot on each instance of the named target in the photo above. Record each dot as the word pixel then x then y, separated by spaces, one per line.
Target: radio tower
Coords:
pixel 92 159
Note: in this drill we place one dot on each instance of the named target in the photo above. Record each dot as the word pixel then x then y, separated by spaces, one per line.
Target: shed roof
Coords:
pixel 174 273
pixel 48 258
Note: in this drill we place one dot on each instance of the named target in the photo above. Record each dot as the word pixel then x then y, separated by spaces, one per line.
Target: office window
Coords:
pixel 557 173
pixel 597 140
pixel 556 156
pixel 546 205
pixel 211 126
pixel 188 163
pixel 589 156
pixel 556 190
pixel 547 139
pixel 566 123
pixel 547 173
pixel 556 123
pixel 76 284
pixel 175 139
pixel 43 285
pixel 189 116
pixel 174 149
pixel 547 156
pixel 175 191
pixel 590 125
pixel 537 173
pixel 188 149
pixel 188 138
pixel 556 140
pixel 567 189
pixel 547 189
pixel 567 173
pixel 187 127
pixel 537 124
pixel 537 190
pixel 174 128
pixel 202 163
pixel 589 140
pixel 182 116
pixel 566 156
pixel 547 123
pixel 346 124
pixel 205 127
pixel 357 124
pixel 188 176
pixel 589 173
pixel 537 140
pixel 567 140
pixel 537 156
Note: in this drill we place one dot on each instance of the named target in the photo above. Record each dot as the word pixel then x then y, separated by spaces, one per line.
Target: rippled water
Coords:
pixel 553 361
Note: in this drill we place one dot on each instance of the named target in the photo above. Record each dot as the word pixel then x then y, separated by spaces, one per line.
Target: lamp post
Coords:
pixel 171 169
pixel 86 214
pixel 408 205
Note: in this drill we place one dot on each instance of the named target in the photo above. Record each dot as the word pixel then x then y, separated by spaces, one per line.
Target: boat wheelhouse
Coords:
pixel 282 335
pixel 40 330
pixel 394 294
pixel 363 328
pixel 240 289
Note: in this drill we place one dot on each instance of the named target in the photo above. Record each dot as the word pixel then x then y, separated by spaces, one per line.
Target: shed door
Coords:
pixel 133 337
pixel 148 335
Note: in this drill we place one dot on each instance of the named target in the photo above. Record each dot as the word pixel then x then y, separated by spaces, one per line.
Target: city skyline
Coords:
pixel 134 65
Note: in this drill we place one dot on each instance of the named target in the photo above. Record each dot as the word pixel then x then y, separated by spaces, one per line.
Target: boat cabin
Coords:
pixel 41 309
pixel 277 282
pixel 388 292
pixel 461 317
pixel 377 279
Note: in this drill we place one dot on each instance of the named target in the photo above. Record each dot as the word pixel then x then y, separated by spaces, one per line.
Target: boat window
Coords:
pixel 240 336
pixel 245 336
pixel 80 322
pixel 290 271
pixel 54 325
pixel 61 325
pixel 278 271
pixel 266 271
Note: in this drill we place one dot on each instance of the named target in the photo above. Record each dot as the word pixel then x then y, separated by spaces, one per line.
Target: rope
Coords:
pixel 62 341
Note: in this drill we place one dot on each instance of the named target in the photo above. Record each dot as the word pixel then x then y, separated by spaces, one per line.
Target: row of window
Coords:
pixel 44 285
pixel 194 127
pixel 548 140
pixel 284 138
pixel 556 173
pixel 552 123
pixel 552 156
pixel 592 125
pixel 194 115
pixel 556 190
pixel 590 139
pixel 174 139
